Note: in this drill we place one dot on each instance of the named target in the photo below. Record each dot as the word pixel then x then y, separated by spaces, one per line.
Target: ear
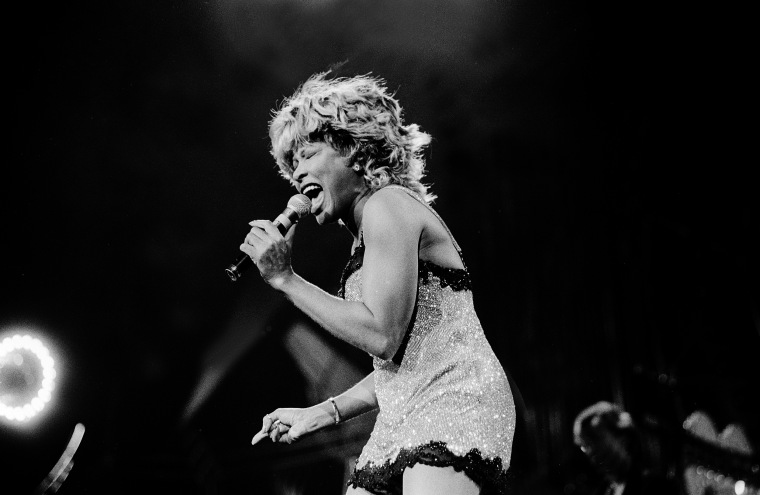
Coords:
pixel 356 159
pixel 361 155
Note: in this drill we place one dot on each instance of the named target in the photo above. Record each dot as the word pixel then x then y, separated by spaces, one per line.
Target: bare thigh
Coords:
pixel 429 480
pixel 357 491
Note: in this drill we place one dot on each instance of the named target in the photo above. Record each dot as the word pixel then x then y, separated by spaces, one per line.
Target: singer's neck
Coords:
pixel 353 219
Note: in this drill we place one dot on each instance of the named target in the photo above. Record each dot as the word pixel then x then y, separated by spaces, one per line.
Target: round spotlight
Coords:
pixel 27 377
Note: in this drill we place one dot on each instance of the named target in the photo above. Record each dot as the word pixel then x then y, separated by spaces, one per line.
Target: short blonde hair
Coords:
pixel 360 119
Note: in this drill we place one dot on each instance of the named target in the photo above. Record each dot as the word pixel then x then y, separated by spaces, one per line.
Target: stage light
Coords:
pixel 27 377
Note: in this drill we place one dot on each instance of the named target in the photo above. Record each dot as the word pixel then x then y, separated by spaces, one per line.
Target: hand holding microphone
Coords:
pixel 257 242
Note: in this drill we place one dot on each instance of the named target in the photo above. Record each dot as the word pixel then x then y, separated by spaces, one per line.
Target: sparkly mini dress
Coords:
pixel 444 399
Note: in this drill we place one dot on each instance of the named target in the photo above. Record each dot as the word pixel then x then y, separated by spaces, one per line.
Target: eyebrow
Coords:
pixel 307 146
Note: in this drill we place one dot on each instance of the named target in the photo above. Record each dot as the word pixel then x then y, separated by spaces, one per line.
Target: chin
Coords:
pixel 323 219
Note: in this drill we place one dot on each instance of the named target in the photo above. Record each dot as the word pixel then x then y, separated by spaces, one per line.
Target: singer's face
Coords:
pixel 324 175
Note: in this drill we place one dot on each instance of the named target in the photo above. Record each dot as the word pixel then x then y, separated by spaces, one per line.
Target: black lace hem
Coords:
pixel 456 278
pixel 387 479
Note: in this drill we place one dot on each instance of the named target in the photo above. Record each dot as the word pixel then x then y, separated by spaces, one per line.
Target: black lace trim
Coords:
pixel 456 278
pixel 387 479
pixel 354 263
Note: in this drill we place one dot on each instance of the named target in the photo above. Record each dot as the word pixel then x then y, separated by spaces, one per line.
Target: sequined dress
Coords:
pixel 444 399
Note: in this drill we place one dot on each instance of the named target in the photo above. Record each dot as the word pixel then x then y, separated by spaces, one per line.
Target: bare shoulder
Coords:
pixel 393 207
pixel 393 201
pixel 393 212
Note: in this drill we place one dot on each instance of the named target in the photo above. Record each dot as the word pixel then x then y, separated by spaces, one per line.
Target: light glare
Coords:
pixel 43 394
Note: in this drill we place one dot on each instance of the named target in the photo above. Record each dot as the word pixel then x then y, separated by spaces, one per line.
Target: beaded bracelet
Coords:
pixel 336 413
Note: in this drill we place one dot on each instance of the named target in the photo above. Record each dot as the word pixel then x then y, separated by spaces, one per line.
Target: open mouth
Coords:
pixel 311 191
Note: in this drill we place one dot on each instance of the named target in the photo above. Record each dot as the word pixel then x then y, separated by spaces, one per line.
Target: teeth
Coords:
pixel 311 190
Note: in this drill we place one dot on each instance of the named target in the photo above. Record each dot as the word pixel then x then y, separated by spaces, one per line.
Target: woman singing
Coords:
pixel 446 414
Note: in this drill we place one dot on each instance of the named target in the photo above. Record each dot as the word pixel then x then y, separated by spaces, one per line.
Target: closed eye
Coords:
pixel 307 152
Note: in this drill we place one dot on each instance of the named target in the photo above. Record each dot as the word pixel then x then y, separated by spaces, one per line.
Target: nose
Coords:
pixel 299 172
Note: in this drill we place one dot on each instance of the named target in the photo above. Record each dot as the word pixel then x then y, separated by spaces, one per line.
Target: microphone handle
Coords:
pixel 244 262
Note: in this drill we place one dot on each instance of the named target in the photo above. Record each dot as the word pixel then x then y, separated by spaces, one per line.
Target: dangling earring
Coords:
pixel 356 167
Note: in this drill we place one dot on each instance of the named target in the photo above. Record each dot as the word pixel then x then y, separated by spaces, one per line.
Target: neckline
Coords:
pixel 358 251
pixel 456 278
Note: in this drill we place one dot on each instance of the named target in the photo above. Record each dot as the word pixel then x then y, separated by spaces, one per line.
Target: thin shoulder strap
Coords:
pixel 430 208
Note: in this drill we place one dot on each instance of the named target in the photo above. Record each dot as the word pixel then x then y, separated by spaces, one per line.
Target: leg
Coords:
pixel 428 480
pixel 357 491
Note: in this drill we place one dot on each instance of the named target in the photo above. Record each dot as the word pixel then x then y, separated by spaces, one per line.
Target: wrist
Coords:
pixel 280 281
pixel 325 414
pixel 336 412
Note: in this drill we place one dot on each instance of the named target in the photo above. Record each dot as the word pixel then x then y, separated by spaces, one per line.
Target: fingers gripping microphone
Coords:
pixel 298 206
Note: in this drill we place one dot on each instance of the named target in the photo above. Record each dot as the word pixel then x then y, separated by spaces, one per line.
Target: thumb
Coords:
pixel 290 235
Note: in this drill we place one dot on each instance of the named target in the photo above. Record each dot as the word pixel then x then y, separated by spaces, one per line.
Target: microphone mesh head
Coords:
pixel 301 204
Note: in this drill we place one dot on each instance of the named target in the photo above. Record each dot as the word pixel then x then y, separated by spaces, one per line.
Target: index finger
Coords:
pixel 259 436
pixel 267 226
pixel 266 424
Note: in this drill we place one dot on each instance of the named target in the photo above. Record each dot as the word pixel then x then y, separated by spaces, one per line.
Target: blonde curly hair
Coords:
pixel 360 119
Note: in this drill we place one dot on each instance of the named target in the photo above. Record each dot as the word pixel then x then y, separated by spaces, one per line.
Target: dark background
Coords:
pixel 589 158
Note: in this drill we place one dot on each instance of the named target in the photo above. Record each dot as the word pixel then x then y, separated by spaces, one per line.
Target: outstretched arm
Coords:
pixel 287 425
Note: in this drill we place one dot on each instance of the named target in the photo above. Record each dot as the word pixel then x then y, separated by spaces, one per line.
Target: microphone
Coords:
pixel 298 206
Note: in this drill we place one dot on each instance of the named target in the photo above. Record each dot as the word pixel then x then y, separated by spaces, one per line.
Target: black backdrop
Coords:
pixel 589 158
